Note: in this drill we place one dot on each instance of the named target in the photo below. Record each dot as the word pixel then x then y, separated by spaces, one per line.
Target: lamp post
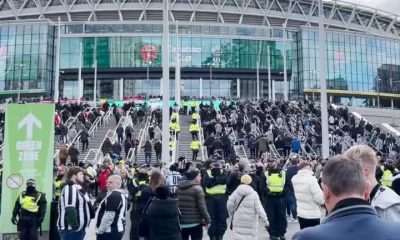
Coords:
pixel 95 83
pixel 377 81
pixel 211 65
pixel 314 83
pixel 148 78
pixel 20 66
pixel 269 74
pixel 285 83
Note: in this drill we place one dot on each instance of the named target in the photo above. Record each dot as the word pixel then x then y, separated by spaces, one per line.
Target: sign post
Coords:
pixel 28 153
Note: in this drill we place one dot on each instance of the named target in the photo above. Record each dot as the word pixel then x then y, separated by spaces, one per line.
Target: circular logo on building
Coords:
pixel 222 53
pixel 149 53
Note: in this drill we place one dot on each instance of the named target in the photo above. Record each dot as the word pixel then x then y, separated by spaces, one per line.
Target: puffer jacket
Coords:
pixel 308 194
pixel 245 219
pixel 192 203
pixel 387 204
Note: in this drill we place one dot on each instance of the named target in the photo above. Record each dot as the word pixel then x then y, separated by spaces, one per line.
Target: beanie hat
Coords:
pixel 31 181
pixel 192 174
pixel 246 179
pixel 162 192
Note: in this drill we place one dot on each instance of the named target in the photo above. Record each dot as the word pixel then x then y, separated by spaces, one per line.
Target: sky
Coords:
pixel 387 5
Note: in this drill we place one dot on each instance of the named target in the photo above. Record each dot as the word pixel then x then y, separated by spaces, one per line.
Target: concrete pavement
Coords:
pixel 262 232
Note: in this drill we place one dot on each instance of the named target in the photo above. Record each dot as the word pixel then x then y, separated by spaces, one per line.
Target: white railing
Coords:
pixel 94 151
pixel 143 136
pixel 99 154
pixel 108 114
pixel 55 156
pixel 132 153
pixel 95 126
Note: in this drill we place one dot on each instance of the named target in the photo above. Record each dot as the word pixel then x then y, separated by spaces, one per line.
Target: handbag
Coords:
pixel 241 200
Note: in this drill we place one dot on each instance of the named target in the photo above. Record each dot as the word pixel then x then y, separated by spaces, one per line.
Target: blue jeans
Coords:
pixel 72 235
pixel 291 199
pixel 147 156
pixel 110 236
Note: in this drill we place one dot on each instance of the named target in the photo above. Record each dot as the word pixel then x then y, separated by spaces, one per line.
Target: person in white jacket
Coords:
pixel 244 207
pixel 309 196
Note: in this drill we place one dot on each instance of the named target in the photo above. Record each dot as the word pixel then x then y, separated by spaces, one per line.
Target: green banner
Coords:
pixel 28 153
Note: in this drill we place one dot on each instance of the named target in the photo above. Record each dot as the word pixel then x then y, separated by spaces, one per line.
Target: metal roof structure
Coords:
pixel 339 15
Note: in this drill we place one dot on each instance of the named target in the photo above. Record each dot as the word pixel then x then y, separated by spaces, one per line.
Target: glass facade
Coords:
pixel 131 52
pixel 355 63
pixel 26 54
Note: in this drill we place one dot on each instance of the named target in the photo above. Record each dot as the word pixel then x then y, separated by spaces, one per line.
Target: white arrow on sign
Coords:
pixel 29 120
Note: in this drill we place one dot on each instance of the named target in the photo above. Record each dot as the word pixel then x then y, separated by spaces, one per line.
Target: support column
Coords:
pixel 238 87
pixel 373 101
pixel 201 87
pixel 392 103
pixel 352 101
pixel 161 87
pixel 80 85
pixel 306 96
pixel 273 89
pixel 121 89
pixel 330 99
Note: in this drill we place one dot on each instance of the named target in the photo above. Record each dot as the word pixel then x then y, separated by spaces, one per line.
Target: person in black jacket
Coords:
pixel 120 133
pixel 163 216
pixel 127 146
pixel 84 139
pixel 158 149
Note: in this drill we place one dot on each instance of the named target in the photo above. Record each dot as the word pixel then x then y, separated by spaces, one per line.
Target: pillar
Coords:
pixel 121 89
pixel 352 101
pixel 161 87
pixel 306 96
pixel 80 88
pixel 238 87
pixel 373 102
pixel 273 90
pixel 201 86
pixel 392 103
pixel 331 99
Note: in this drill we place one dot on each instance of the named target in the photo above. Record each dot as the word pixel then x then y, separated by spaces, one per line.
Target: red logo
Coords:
pixel 339 56
pixel 149 53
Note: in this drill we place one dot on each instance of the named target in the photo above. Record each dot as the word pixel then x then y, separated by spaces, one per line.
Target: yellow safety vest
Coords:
pixel 217 189
pixel 29 203
pixel 195 116
pixel 58 187
pixel 185 103
pixel 387 178
pixel 137 183
pixel 172 126
pixel 177 127
pixel 193 128
pixel 194 103
pixel 195 145
pixel 171 145
pixel 133 171
pixel 174 115
pixel 275 181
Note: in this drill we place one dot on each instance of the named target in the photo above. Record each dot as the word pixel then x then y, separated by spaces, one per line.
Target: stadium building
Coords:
pixel 221 43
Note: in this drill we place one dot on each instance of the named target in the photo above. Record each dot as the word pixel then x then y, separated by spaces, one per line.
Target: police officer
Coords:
pixel 30 208
pixel 388 172
pixel 215 181
pixel 195 146
pixel 185 106
pixel 194 105
pixel 273 183
pixel 58 182
pixel 139 182
pixel 195 115
pixel 194 129
pixel 172 145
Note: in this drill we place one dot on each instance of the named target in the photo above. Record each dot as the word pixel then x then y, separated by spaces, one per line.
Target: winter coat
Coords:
pixel 107 147
pixel 192 203
pixel 72 133
pixel 308 194
pixel 157 133
pixel 63 153
pixel 103 179
pixel 163 219
pixel 387 204
pixel 73 152
pixel 117 148
pixel 296 145
pixel 245 218
pixel 263 144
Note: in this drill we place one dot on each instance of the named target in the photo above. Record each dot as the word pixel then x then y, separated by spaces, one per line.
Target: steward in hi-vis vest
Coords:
pixel 29 211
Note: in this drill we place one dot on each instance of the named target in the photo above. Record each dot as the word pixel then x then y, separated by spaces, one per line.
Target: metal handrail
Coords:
pixel 201 136
pixel 95 126
pixel 312 150
pixel 109 132
pixel 143 137
pixel 88 154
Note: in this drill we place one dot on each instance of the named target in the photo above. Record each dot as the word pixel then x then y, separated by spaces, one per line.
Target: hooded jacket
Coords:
pixel 245 219
pixel 192 203
pixel 163 218
pixel 387 204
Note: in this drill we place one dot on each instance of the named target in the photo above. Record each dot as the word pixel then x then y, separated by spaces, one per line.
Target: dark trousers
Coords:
pixel 193 109
pixel 210 151
pixel 185 110
pixel 286 150
pixel 195 136
pixel 195 233
pixel 195 152
pixel 216 206
pixel 110 236
pixel 135 220
pixel 28 229
pixel 129 136
pixel 85 145
pixel 305 223
pixel 63 161
pixel 74 161
pixel 158 155
pixel 226 151
pixel 120 137
pixel 276 212
pixel 291 200
pixel 252 152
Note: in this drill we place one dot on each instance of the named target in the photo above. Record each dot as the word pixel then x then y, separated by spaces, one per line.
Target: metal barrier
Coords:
pixel 143 137
pixel 204 153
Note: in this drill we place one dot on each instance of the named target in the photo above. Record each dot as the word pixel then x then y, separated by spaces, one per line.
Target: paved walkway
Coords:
pixel 262 232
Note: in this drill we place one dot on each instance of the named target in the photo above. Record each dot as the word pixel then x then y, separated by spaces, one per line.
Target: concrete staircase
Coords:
pixel 185 139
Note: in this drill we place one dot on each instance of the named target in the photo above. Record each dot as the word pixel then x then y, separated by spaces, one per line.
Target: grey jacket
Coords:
pixel 387 204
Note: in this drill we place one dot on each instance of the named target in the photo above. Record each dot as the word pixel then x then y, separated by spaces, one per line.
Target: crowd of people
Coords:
pixel 283 179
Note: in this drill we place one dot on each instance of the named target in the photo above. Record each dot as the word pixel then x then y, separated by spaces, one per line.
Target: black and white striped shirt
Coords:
pixel 112 213
pixel 71 196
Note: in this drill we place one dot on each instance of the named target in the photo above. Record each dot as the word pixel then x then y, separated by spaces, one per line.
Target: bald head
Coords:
pixel 114 182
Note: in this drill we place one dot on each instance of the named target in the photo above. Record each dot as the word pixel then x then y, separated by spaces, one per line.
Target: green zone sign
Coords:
pixel 27 154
